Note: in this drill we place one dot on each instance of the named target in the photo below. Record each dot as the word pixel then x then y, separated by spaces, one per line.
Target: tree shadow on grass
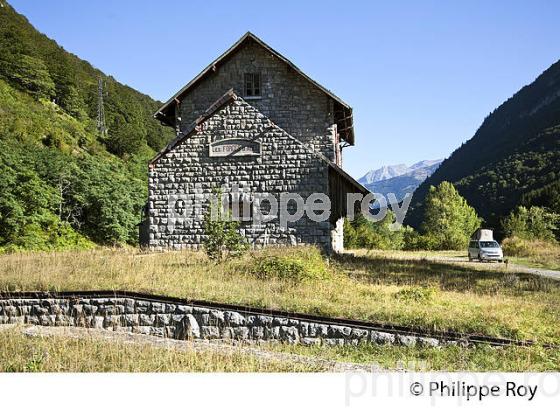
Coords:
pixel 446 276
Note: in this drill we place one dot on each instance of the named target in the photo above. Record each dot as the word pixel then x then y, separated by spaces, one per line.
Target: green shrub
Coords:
pixel 532 223
pixel 414 241
pixel 48 195
pixel 28 74
pixel 222 234
pixel 297 265
pixel 49 235
pixel 516 247
pixel 362 233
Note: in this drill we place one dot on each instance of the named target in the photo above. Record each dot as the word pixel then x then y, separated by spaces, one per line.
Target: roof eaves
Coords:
pixel 349 178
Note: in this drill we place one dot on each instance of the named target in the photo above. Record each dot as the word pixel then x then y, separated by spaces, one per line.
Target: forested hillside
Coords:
pixel 513 158
pixel 63 184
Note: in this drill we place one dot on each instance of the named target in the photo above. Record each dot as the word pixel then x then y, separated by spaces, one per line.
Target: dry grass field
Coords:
pixel 383 287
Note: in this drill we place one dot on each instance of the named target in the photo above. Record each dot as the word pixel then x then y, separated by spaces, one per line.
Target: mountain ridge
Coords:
pixel 399 179
pixel 383 172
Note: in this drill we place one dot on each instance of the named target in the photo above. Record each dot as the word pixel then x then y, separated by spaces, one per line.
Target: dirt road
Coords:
pixel 506 267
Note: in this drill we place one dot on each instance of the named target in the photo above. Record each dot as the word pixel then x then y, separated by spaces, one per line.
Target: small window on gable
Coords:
pixel 252 84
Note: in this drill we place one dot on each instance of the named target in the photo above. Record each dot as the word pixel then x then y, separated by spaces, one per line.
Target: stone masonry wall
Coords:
pixel 284 165
pixel 187 321
pixel 292 102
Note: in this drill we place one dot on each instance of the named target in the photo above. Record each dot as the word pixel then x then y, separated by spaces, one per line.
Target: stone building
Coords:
pixel 253 120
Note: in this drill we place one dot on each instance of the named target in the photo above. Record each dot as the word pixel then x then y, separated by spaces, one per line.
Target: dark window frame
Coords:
pixel 252 85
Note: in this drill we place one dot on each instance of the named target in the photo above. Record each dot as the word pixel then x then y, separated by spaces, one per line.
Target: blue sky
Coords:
pixel 420 75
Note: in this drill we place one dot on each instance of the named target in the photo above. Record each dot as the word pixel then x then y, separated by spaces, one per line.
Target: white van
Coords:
pixel 483 247
pixel 485 251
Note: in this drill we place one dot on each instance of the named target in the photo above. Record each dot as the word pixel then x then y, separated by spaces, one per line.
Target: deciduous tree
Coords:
pixel 449 219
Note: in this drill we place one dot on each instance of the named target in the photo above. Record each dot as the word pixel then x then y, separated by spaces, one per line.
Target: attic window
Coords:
pixel 252 85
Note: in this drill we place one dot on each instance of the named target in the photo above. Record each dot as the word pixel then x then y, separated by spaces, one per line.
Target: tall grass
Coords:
pixel 21 353
pixel 534 252
pixel 95 353
pixel 479 358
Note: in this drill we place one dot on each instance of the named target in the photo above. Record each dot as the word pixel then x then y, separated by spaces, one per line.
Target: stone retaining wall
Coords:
pixel 189 321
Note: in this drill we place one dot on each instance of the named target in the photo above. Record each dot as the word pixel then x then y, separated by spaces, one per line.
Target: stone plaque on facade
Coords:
pixel 235 147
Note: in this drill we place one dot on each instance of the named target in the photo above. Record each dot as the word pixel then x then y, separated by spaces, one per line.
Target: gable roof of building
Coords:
pixel 343 112
pixel 230 95
pixel 225 99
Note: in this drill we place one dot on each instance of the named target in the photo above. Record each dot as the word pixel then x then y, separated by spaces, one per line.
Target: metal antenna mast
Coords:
pixel 101 127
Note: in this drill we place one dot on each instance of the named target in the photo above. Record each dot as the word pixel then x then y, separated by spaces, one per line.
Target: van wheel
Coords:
pixel 479 258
